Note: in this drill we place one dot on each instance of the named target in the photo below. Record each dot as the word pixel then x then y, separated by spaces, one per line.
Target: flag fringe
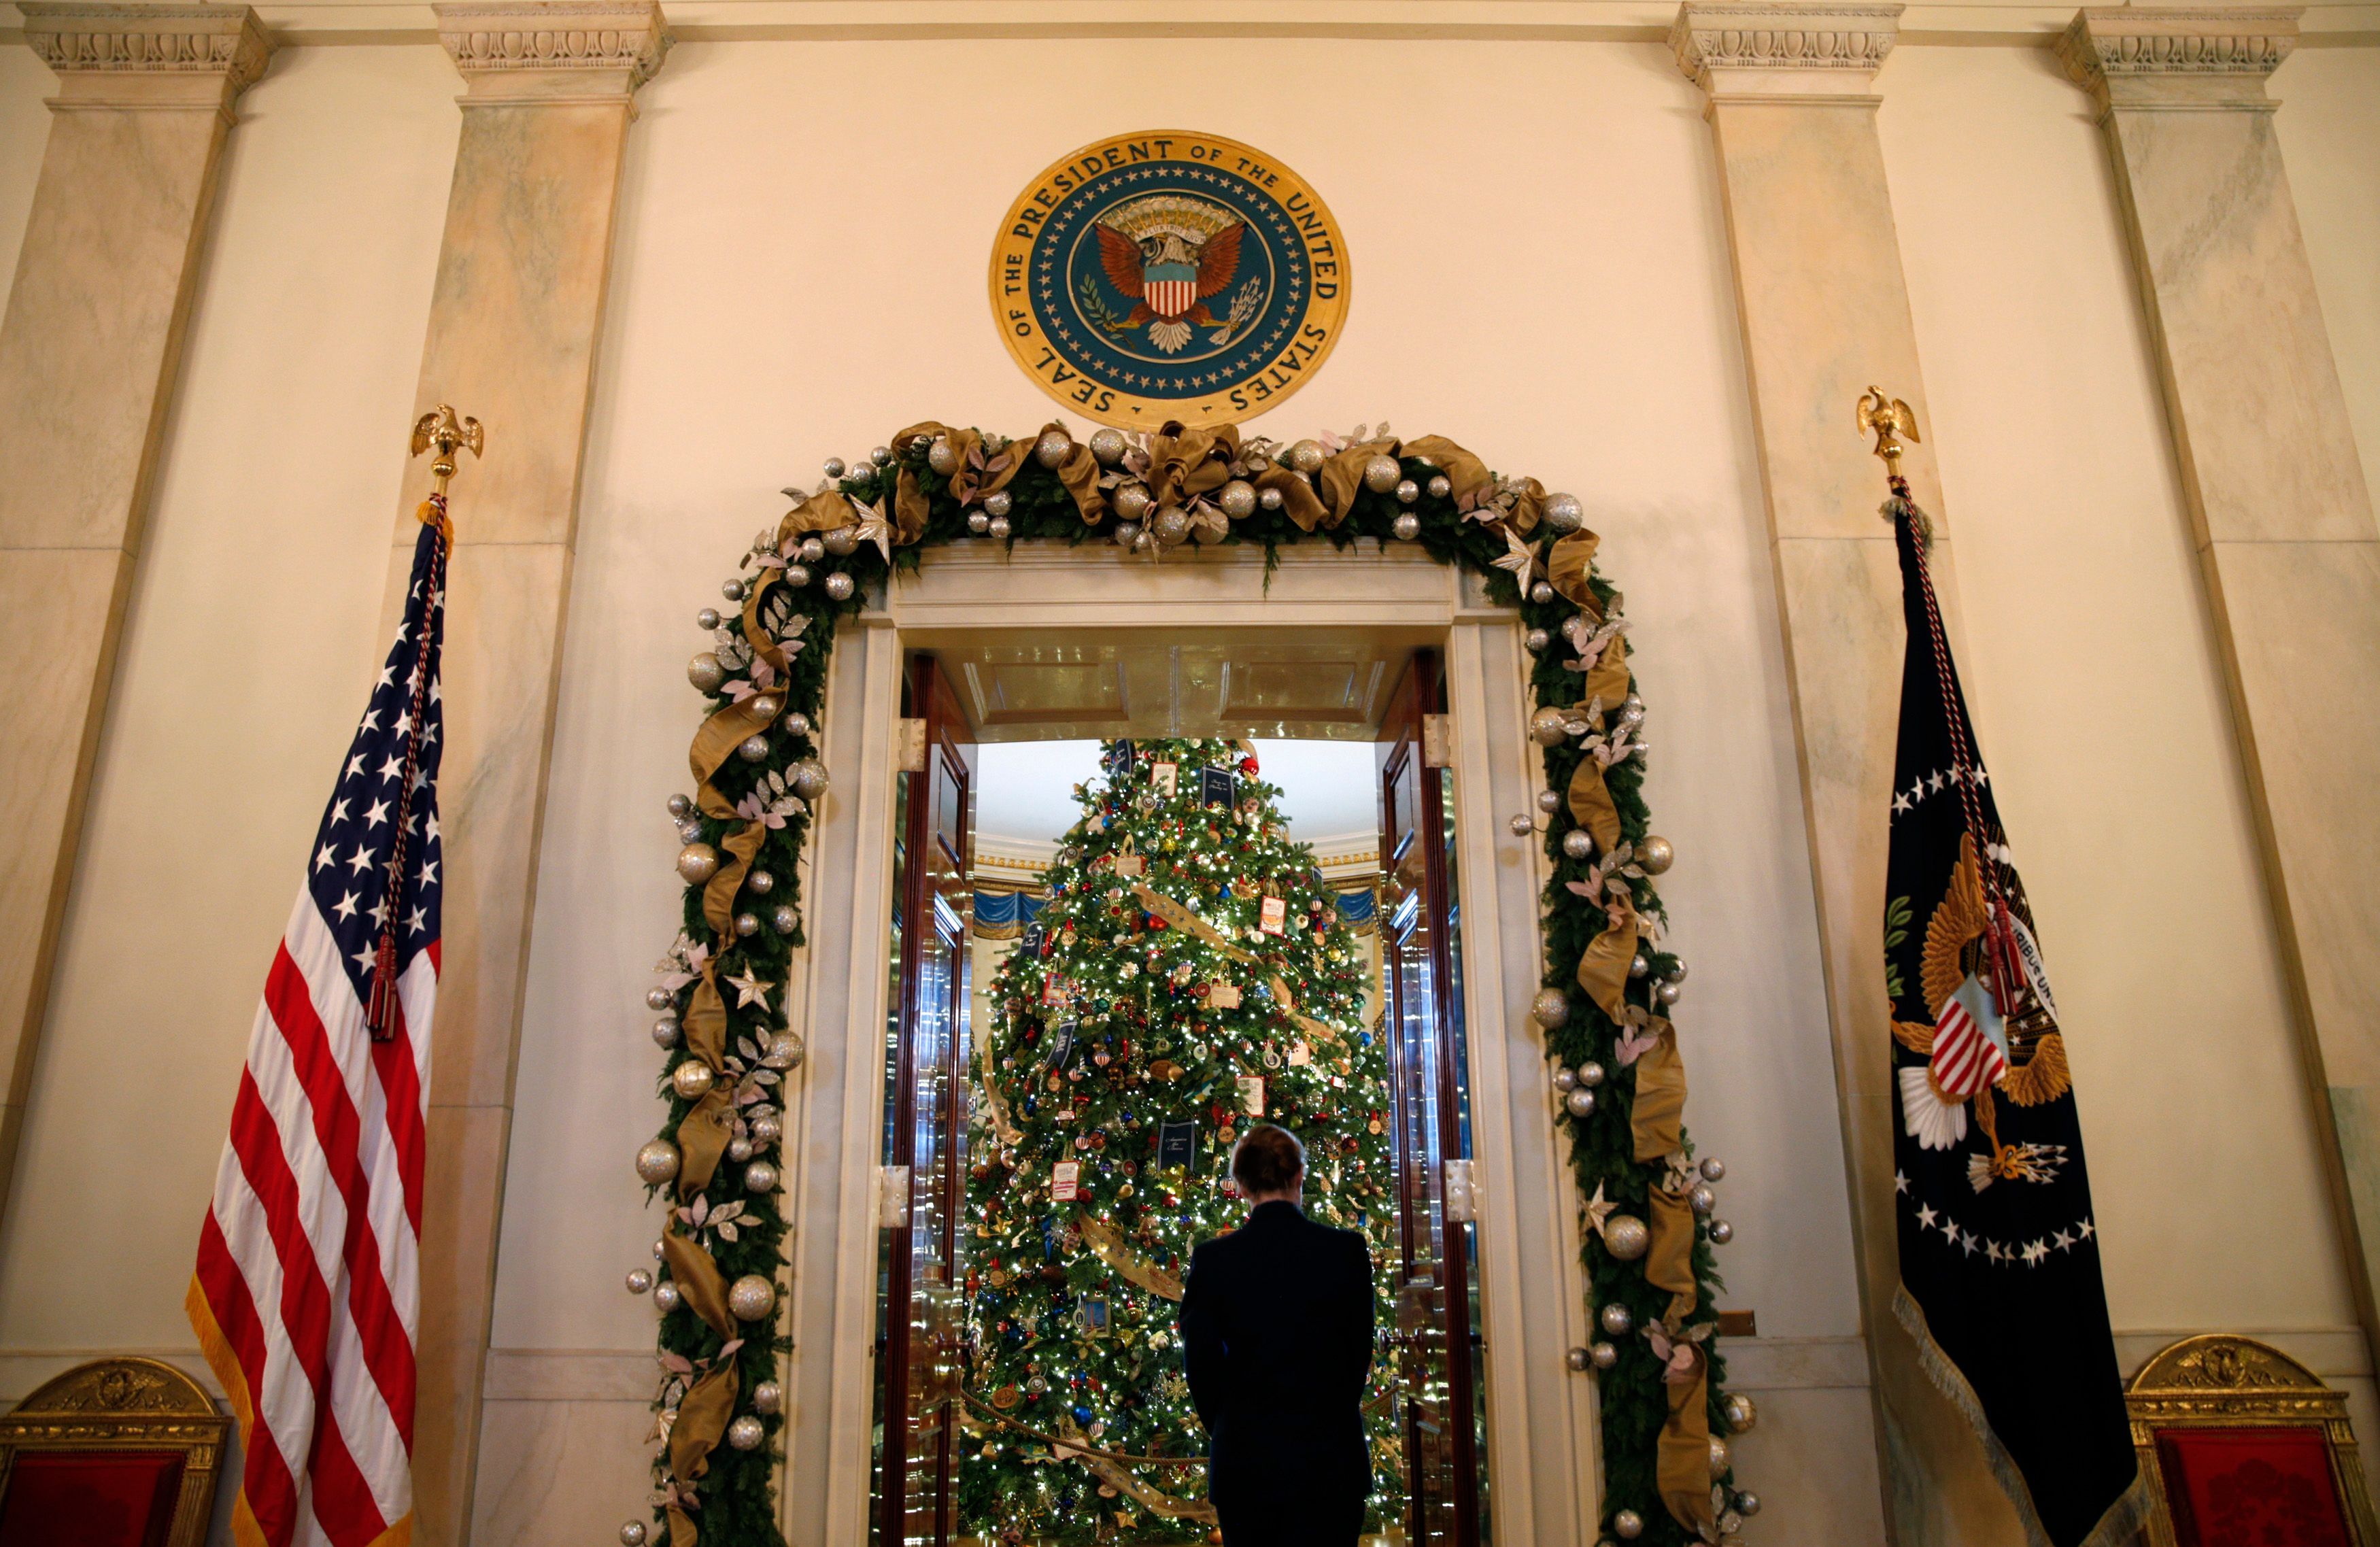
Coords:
pixel 2123 1521
pixel 245 1529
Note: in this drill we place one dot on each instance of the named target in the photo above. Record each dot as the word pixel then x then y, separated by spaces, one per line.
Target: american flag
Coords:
pixel 307 1291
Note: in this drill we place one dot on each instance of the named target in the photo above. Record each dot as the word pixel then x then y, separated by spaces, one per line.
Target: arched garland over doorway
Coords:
pixel 1618 1082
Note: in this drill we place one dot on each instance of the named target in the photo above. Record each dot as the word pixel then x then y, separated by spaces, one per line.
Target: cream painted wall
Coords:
pixel 2102 705
pixel 2329 125
pixel 24 130
pixel 248 644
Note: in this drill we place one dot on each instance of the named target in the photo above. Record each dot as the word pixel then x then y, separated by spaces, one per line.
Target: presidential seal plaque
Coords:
pixel 1169 275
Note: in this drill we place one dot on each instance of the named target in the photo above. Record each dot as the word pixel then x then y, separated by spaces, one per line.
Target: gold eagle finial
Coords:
pixel 1890 419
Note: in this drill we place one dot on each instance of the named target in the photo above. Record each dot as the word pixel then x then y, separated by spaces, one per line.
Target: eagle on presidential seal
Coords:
pixel 1170 254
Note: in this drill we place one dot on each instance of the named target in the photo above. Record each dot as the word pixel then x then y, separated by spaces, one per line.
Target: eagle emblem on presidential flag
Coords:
pixel 1169 275
pixel 1170 254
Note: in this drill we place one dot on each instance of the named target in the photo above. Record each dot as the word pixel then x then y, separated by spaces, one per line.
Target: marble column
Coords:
pixel 88 351
pixel 2279 513
pixel 515 316
pixel 1825 313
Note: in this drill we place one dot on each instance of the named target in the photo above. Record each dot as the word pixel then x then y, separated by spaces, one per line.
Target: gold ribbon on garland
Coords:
pixel 1466 474
pixel 1079 473
pixel 1681 1460
pixel 698 1279
pixel 1183 464
pixel 702 1139
pixel 1568 563
pixel 1591 806
pixel 1343 475
pixel 1108 1245
pixel 1659 1108
pixel 702 1415
pixel 1603 969
pixel 1298 501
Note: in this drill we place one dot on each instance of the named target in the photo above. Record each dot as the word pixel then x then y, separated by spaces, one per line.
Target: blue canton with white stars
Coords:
pixel 348 872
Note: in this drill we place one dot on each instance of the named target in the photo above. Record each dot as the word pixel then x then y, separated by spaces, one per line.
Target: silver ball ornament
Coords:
pixel 1549 801
pixel 747 924
pixel 696 862
pixel 1523 825
pixel 1701 1198
pixel 842 542
pixel 833 468
pixel 1551 1007
pixel 1566 1077
pixel 1238 499
pixel 681 804
pixel 751 1297
pixel 1127 535
pixel 943 458
pixel 1580 1360
pixel 633 1534
pixel 1628 1525
pixel 746 1433
pixel 1108 447
pixel 1617 1320
pixel 1668 992
pixel 1306 457
pixel 760 1178
pixel 1590 1074
pixel 767 1131
pixel 1721 1232
pixel 1563 512
pixel 797 723
pixel 998 503
pixel 1270 499
pixel 1677 970
pixel 1714 1169
pixel 1536 641
pixel 667 1296
pixel 691 831
pixel 1548 726
pixel 808 778
pixel 977 521
pixel 705 672
pixel 1132 502
pixel 754 750
pixel 707 619
pixel 1747 1503
pixel 732 590
pixel 760 883
pixel 1381 474
pixel 1171 524
pixel 1407 526
pixel 1605 1354
pixel 839 586
pixel 798 575
pixel 1742 1416
pixel 999 530
pixel 1580 1101
pixel 768 1398
pixel 1625 1237
pixel 1053 447
pixel 659 998
pixel 766 705
pixel 657 1162
pixel 1578 843
pixel 811 550
pixel 1438 487
pixel 665 1031
pixel 1655 855
pixel 787 1049
pixel 1542 594
pixel 784 921
pixel 880 456
pixel 1407 491
pixel 1639 966
pixel 1722 1456
pixel 692 1080
pixel 640 1281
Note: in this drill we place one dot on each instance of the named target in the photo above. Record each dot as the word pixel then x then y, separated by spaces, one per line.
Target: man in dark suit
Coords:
pixel 1277 1328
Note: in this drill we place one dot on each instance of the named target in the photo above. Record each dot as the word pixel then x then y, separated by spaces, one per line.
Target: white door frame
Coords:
pixel 1542 1448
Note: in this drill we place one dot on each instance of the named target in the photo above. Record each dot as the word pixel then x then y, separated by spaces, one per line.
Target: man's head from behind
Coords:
pixel 1270 1165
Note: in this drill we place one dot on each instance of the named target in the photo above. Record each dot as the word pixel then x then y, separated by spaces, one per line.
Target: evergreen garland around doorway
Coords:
pixel 1616 1083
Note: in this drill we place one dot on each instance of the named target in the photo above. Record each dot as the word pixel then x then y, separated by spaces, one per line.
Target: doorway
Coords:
pixel 1023 1394
pixel 1064 620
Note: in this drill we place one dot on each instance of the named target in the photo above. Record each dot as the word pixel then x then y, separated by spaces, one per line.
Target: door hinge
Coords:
pixel 1462 1196
pixel 893 1196
pixel 913 745
pixel 1436 741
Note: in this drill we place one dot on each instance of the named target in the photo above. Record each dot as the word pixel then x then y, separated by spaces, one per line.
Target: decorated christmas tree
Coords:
pixel 1188 975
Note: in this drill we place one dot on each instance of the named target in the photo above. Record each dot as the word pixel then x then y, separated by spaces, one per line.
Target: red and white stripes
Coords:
pixel 307 1288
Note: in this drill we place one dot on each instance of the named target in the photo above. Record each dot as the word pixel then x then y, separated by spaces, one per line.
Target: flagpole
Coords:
pixel 441 432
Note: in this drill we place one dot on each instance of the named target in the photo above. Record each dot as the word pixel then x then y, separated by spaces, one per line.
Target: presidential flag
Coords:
pixel 1999 1249
pixel 307 1292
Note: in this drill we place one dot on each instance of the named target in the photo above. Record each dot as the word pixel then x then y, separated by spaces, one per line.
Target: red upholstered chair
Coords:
pixel 2244 1447
pixel 118 1453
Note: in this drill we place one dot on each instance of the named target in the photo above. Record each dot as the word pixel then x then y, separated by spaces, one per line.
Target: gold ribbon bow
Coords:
pixel 1568 563
pixel 1467 474
pixel 1183 464
pixel 702 1415
pixel 1343 475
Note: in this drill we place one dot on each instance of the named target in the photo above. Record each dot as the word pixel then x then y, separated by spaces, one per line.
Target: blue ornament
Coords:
pixel 1081 1414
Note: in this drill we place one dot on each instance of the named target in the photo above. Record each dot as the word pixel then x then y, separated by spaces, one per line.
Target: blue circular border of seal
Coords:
pixel 1263 334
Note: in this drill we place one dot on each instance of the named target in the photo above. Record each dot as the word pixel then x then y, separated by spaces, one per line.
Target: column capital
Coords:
pixel 2182 56
pixel 133 56
pixel 523 51
pixel 1767 50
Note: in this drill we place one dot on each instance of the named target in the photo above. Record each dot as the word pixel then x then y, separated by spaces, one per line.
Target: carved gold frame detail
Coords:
pixel 127 1405
pixel 2218 1381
